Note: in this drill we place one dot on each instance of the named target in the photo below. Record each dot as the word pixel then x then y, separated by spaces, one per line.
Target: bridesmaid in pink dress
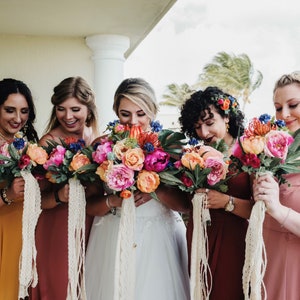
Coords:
pixel 73 115
pixel 282 221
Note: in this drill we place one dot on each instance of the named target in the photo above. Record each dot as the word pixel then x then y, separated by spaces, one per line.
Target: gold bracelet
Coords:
pixel 4 197
pixel 113 210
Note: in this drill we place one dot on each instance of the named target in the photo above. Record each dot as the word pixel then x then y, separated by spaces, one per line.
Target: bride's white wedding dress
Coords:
pixel 161 256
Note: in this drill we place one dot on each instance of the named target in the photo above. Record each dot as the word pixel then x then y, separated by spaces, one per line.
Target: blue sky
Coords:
pixel 194 31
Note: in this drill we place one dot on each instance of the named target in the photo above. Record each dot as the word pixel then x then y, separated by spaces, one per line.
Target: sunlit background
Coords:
pixel 194 31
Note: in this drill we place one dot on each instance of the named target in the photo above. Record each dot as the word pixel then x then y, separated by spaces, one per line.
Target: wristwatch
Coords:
pixel 230 205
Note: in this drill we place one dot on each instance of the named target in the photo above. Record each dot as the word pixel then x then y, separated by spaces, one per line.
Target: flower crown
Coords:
pixel 226 103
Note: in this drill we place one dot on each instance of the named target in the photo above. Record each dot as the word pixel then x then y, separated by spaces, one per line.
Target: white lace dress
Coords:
pixel 161 257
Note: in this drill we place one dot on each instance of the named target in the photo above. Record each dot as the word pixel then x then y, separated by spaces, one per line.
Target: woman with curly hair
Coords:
pixel 211 115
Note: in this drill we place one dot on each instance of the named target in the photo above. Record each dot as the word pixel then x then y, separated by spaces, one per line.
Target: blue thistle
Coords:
pixel 156 126
pixel 193 142
pixel 280 123
pixel 265 118
pixel 19 143
pixel 149 147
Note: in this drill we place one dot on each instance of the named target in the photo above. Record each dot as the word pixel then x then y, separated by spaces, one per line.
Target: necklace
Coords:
pixel 5 138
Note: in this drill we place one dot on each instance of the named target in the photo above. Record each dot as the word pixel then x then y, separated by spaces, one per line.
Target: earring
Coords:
pixel 227 127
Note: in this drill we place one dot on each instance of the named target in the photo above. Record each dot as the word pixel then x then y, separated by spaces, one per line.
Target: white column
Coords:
pixel 108 57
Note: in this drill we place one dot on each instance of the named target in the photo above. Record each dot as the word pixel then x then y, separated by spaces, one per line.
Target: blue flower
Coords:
pixel 193 142
pixel 156 126
pixel 74 147
pixel 280 123
pixel 149 147
pixel 265 118
pixel 19 143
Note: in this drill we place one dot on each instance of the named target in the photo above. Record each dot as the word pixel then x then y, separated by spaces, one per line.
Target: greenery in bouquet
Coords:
pixel 267 146
pixel 130 158
pixel 20 155
pixel 200 166
pixel 67 159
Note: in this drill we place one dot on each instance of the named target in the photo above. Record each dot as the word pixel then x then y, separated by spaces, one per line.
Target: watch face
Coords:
pixel 229 206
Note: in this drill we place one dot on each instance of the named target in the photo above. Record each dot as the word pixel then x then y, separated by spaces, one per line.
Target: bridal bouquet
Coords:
pixel 22 158
pixel 131 159
pixel 266 146
pixel 200 167
pixel 70 161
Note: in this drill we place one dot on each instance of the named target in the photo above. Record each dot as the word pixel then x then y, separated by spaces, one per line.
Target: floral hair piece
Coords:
pixel 226 103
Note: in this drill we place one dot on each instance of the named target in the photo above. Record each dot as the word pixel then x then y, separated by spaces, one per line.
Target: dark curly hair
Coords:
pixel 12 86
pixel 194 109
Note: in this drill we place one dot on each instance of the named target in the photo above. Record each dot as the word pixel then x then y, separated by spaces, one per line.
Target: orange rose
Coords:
pixel 119 149
pixel 191 159
pixel 79 160
pixel 125 194
pixel 37 154
pixel 147 181
pixel 103 168
pixel 253 144
pixel 134 159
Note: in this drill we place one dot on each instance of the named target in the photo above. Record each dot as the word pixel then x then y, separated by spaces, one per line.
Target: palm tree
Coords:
pixel 177 94
pixel 232 74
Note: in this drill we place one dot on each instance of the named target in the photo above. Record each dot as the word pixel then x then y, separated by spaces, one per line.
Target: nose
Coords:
pixel 17 117
pixel 133 120
pixel 68 114
pixel 203 132
pixel 285 113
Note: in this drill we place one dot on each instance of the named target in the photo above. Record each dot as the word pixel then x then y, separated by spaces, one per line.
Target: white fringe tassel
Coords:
pixel 76 241
pixel 125 256
pixel 200 279
pixel 31 211
pixel 255 254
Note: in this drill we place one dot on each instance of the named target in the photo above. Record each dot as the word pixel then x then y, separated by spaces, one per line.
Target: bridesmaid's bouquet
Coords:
pixel 25 159
pixel 265 147
pixel 200 166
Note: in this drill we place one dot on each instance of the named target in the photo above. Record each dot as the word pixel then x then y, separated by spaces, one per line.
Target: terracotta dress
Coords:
pixel 226 238
pixel 10 249
pixel 283 249
pixel 52 253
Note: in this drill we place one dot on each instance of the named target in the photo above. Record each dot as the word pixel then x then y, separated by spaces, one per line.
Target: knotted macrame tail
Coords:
pixel 200 279
pixel 31 211
pixel 76 241
pixel 125 254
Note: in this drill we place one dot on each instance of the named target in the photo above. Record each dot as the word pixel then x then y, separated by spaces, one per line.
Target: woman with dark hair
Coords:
pixel 17 114
pixel 211 115
pixel 73 115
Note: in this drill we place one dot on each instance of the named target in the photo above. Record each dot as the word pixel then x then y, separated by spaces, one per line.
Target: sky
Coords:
pixel 194 31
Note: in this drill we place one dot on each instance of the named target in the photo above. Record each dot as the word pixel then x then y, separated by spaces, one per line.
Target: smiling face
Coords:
pixel 71 115
pixel 14 113
pixel 287 105
pixel 211 129
pixel 132 114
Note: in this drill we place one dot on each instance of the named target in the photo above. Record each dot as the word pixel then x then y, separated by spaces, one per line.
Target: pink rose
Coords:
pixel 24 161
pixel 56 157
pixel 156 161
pixel 119 177
pixel 218 170
pixel 277 144
pixel 100 154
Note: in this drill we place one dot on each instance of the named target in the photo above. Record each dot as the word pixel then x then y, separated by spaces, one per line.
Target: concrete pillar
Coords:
pixel 108 57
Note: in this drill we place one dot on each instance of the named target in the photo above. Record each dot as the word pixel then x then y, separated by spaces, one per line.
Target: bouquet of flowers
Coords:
pixel 200 166
pixel 266 146
pixel 131 159
pixel 70 161
pixel 22 158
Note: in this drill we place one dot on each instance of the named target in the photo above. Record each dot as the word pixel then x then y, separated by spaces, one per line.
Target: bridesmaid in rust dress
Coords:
pixel 211 115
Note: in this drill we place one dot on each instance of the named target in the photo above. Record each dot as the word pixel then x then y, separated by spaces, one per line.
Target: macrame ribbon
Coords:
pixel 255 254
pixel 200 279
pixel 126 250
pixel 76 241
pixel 31 211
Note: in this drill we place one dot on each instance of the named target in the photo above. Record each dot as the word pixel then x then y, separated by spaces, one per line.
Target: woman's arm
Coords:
pixel 266 188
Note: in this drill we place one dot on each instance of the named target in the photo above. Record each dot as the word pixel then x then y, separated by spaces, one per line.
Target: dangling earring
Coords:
pixel 227 127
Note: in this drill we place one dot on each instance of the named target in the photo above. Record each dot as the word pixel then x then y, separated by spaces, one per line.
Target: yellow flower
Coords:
pixel 253 144
pixel 79 160
pixel 191 159
pixel 134 159
pixel 147 181
pixel 37 154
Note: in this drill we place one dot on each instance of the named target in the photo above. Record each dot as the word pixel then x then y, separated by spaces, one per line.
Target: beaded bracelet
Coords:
pixel 113 210
pixel 4 197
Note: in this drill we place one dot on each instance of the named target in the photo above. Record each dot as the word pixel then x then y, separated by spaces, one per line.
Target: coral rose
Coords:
pixel 134 159
pixel 147 181
pixel 253 144
pixel 37 154
pixel 191 159
pixel 79 160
